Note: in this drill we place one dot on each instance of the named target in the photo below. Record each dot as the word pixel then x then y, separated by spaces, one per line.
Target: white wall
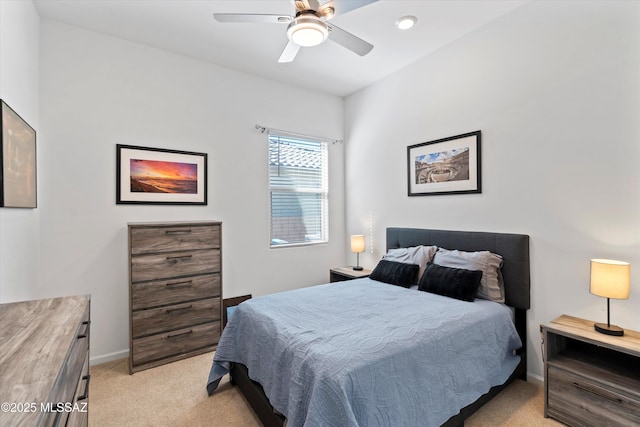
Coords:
pixel 19 30
pixel 98 91
pixel 554 88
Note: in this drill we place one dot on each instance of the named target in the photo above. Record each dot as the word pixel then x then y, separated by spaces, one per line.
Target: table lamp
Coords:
pixel 357 246
pixel 610 279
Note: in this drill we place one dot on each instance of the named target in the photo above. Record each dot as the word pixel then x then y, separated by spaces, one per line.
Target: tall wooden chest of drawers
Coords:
pixel 44 362
pixel 175 291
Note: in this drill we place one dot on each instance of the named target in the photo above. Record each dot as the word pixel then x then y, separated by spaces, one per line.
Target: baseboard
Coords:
pixel 535 379
pixel 110 357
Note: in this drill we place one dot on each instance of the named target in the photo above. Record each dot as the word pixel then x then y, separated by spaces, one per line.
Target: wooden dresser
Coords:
pixel 44 362
pixel 591 379
pixel 175 288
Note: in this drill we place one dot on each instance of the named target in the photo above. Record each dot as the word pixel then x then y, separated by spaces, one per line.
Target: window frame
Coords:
pixel 322 190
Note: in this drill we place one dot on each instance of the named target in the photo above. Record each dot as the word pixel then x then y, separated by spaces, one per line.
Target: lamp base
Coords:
pixel 603 328
pixel 358 268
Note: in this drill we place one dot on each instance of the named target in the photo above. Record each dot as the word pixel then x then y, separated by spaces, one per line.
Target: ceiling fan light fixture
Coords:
pixel 306 31
pixel 406 22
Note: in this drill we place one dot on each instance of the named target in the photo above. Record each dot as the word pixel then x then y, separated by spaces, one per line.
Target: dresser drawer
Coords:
pixel 73 368
pixel 155 347
pixel 70 374
pixel 584 402
pixel 156 320
pixel 174 264
pixel 79 417
pixel 173 291
pixel 168 239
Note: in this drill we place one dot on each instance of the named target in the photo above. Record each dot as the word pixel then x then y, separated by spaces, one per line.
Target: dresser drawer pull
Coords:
pixel 85 395
pixel 604 396
pixel 184 283
pixel 86 329
pixel 56 421
pixel 178 232
pixel 171 310
pixel 190 331
pixel 179 257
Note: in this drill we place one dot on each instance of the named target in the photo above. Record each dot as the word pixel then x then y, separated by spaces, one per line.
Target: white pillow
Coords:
pixel 491 284
pixel 421 255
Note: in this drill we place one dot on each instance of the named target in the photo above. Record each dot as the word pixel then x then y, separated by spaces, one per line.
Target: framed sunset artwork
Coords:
pixel 159 176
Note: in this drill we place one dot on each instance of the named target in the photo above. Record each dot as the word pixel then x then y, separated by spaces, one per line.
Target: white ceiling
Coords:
pixel 187 27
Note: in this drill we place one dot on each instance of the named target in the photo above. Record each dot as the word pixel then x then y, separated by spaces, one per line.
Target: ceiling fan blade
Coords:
pixel 344 6
pixel 252 18
pixel 348 40
pixel 289 53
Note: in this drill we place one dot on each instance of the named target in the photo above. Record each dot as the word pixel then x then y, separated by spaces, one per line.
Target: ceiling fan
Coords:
pixel 309 26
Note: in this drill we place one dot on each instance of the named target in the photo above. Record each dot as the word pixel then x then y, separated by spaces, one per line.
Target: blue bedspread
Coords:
pixel 365 353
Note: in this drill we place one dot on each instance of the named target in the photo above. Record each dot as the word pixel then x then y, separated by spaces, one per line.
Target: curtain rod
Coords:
pixel 262 129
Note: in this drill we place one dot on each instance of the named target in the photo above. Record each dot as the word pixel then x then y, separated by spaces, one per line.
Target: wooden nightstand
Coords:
pixel 340 274
pixel 590 378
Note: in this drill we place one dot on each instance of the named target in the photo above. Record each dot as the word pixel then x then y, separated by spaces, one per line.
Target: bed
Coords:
pixel 312 374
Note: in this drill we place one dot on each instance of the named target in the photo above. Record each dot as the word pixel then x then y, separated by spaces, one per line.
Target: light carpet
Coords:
pixel 175 395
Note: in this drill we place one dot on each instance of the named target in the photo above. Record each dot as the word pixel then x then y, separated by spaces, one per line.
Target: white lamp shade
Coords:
pixel 357 243
pixel 610 279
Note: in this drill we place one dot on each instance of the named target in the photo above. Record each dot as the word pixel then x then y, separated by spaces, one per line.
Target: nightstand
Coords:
pixel 590 378
pixel 340 274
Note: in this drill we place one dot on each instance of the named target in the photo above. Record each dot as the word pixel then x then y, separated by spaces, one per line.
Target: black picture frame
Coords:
pixel 158 176
pixel 18 163
pixel 449 165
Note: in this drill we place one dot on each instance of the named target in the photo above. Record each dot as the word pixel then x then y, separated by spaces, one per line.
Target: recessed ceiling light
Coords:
pixel 406 22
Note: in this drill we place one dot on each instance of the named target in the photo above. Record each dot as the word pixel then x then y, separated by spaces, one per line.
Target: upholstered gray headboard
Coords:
pixel 514 249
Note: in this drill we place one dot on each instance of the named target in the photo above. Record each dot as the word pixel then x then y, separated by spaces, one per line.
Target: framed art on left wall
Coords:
pixel 18 186
pixel 147 175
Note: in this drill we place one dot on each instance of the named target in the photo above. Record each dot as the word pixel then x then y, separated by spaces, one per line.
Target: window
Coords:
pixel 299 190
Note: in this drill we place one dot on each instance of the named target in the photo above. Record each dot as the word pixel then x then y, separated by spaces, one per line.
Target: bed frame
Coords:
pixel 514 249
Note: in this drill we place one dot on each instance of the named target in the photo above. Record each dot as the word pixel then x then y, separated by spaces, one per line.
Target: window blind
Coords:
pixel 298 186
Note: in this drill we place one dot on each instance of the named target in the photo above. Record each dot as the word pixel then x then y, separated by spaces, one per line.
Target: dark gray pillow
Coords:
pixel 421 255
pixel 491 284
pixel 450 282
pixel 395 273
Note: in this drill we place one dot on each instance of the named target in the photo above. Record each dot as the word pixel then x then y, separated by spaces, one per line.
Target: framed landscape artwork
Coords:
pixel 18 186
pixel 445 166
pixel 158 176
